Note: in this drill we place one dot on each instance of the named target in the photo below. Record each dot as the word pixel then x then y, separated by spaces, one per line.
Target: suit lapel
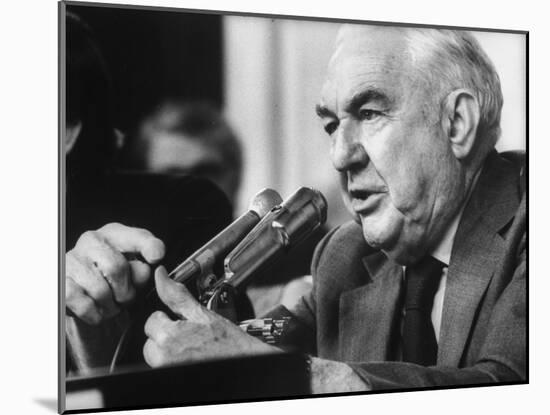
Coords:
pixel 368 313
pixel 477 248
pixel 469 274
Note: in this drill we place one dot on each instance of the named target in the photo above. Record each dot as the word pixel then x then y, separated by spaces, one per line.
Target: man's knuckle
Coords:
pixel 155 317
pixel 161 360
pixel 152 322
pixel 99 292
pixel 115 268
pixel 143 233
pixel 87 238
pixel 149 353
pixel 70 258
pixel 72 292
pixel 110 227
pixel 158 316
pixel 109 269
pixel 162 338
pixel 74 302
pixel 154 356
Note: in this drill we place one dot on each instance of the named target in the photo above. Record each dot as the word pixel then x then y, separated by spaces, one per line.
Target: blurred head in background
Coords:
pixel 90 137
pixel 187 138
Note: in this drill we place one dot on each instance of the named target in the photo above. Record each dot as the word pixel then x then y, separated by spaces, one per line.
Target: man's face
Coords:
pixel 399 176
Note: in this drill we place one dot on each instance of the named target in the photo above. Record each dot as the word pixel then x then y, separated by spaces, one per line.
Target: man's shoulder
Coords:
pixel 497 196
pixel 345 239
pixel 349 233
pixel 341 252
pixel 504 173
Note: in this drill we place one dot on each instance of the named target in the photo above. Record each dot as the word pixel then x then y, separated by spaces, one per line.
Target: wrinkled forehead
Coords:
pixel 365 55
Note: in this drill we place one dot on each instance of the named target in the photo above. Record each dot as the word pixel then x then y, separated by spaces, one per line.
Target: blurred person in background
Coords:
pixel 187 138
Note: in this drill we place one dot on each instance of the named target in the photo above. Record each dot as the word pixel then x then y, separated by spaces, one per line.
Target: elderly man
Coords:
pixel 427 286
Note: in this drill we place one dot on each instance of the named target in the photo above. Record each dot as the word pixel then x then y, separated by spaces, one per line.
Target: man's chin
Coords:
pixel 397 249
pixel 389 241
pixel 379 241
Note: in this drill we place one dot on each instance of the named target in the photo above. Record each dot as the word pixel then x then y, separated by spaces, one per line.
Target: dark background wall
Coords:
pixel 157 54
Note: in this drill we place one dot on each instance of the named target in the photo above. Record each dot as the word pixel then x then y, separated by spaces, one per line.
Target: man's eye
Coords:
pixel 331 127
pixel 369 115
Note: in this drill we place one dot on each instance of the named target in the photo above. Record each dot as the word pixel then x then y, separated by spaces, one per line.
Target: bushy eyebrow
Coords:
pixel 355 102
pixel 364 97
pixel 322 111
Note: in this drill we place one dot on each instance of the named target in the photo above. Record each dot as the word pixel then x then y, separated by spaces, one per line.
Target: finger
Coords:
pixel 177 297
pixel 113 267
pixel 140 273
pixel 158 327
pixel 152 354
pixel 94 248
pixel 134 240
pixel 81 305
pixel 91 281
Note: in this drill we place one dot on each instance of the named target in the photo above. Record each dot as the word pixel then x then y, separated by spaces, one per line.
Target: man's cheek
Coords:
pixel 388 162
pixel 399 176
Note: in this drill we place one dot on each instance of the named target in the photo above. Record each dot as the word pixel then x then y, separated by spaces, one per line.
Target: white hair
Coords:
pixel 447 60
pixel 450 59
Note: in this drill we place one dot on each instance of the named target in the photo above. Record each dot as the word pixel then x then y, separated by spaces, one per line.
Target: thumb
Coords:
pixel 176 296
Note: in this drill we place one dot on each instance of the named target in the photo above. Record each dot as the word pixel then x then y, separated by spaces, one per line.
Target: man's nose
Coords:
pixel 347 152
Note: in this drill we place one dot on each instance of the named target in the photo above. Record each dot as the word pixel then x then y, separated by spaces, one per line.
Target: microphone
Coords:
pixel 284 227
pixel 197 267
pixel 200 264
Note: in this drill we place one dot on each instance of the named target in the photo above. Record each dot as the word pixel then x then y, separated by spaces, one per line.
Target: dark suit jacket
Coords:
pixel 353 312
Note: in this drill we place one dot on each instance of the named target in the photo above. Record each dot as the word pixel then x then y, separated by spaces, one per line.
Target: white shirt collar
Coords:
pixel 442 252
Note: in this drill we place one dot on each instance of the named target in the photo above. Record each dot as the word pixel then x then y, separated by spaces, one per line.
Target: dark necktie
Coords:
pixel 421 282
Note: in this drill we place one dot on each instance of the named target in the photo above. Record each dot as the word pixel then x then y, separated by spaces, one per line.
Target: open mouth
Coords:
pixel 364 201
pixel 359 194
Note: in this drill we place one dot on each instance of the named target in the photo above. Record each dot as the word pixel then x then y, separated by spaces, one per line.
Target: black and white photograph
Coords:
pixel 258 207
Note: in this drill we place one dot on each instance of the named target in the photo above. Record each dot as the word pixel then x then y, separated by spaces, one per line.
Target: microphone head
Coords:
pixel 264 201
pixel 279 231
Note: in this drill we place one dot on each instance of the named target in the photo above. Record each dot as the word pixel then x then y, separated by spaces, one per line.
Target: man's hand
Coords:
pixel 200 334
pixel 101 274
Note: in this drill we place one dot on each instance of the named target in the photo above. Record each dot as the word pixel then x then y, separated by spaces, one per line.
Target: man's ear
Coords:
pixel 71 135
pixel 460 120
